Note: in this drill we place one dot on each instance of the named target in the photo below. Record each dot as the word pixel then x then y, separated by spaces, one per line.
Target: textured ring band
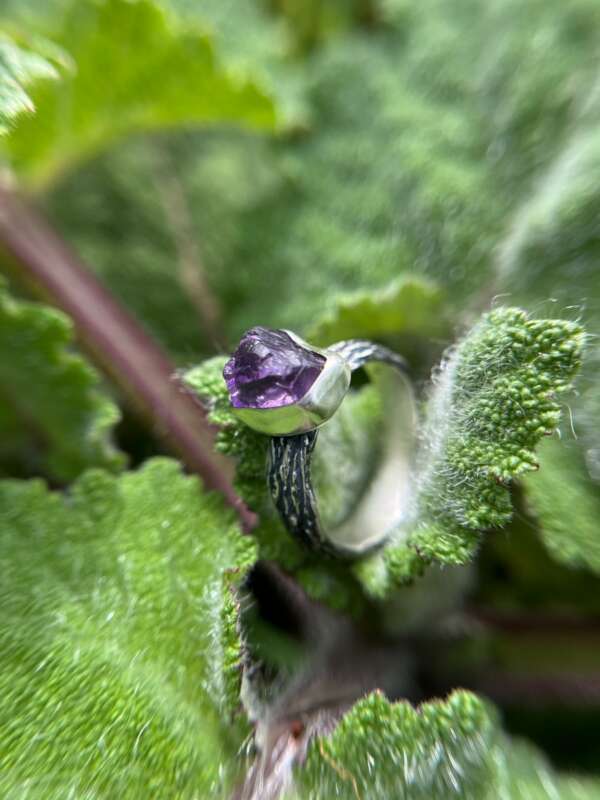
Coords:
pixel 282 386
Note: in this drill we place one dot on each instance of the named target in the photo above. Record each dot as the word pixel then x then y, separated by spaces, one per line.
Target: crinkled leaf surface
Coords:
pixel 492 401
pixel 426 180
pixel 443 749
pixel 20 65
pixel 383 750
pixel 55 417
pixel 120 665
pixel 136 69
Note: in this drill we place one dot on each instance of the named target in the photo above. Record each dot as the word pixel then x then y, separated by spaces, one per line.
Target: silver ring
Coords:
pixel 286 388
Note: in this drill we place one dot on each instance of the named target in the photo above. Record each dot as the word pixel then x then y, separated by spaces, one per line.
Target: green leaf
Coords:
pixel 407 307
pixel 567 506
pixel 522 774
pixel 383 750
pixel 245 446
pixel 54 416
pixel 250 40
pixel 120 668
pixel 20 65
pixel 426 184
pixel 492 403
pixel 451 748
pixel 136 70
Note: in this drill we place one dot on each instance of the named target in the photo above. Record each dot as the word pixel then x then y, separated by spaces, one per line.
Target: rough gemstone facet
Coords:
pixel 269 370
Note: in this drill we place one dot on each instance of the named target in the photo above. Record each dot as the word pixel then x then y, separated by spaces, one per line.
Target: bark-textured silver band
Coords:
pixel 289 466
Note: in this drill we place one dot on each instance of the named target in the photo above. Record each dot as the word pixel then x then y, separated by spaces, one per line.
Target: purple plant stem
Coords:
pixel 134 361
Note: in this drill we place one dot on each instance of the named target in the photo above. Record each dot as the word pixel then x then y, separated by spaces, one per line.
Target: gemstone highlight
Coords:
pixel 269 370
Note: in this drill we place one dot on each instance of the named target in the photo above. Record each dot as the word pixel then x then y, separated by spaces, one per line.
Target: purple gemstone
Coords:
pixel 269 369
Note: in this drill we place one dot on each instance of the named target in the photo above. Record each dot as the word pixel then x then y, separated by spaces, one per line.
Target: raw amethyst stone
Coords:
pixel 269 369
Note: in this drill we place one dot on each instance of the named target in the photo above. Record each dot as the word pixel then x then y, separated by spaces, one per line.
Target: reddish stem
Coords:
pixel 117 341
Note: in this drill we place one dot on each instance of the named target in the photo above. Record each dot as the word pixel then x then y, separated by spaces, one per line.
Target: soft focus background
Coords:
pixel 380 168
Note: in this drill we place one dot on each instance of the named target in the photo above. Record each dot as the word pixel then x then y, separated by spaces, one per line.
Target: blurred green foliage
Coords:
pixel 134 70
pixel 21 64
pixel 376 168
pixel 55 419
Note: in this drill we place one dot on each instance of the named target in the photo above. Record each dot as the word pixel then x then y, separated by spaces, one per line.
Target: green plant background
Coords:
pixel 374 168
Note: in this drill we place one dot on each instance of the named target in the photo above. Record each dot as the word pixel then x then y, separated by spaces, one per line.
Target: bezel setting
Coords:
pixel 312 410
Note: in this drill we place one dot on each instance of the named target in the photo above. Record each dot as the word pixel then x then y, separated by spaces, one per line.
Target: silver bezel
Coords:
pixel 311 411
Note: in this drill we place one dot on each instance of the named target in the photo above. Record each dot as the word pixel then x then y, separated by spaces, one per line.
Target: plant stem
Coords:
pixel 117 342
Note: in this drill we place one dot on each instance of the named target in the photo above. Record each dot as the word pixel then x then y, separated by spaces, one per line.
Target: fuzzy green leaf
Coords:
pixel 493 401
pixel 426 181
pixel 120 665
pixel 443 749
pixel 54 416
pixel 136 69
pixel 381 750
pixel 20 65
pixel 246 447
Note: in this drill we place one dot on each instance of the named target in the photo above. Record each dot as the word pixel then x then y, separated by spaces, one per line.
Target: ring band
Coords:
pixel 262 376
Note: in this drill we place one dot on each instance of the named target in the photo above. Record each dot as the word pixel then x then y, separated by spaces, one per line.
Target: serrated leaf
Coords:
pixel 136 70
pixel 492 403
pixel 428 183
pixel 120 669
pixel 54 416
pixel 251 40
pixel 20 65
pixel 408 307
pixel 443 749
pixel 382 750
pixel 567 506
pixel 245 446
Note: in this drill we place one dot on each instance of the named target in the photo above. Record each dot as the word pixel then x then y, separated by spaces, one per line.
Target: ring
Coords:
pixel 286 388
